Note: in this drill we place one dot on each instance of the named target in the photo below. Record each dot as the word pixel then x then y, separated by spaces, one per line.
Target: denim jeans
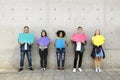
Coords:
pixel 60 56
pixel 22 56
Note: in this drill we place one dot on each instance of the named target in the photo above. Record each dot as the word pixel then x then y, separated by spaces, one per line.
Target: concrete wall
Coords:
pixel 53 15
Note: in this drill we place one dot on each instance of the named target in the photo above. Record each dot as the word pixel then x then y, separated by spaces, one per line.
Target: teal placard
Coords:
pixel 26 37
pixel 60 43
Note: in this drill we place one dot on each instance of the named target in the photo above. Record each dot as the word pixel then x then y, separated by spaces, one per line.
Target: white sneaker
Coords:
pixel 58 69
pixel 96 70
pixel 80 69
pixel 44 69
pixel 99 70
pixel 74 70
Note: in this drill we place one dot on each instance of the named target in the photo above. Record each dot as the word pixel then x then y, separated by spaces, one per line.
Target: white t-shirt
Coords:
pixel 25 46
pixel 43 47
pixel 78 47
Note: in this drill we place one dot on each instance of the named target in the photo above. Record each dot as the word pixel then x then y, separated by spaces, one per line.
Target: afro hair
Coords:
pixel 59 31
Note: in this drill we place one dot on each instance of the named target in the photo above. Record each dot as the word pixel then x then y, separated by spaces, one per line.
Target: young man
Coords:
pixel 25 40
pixel 79 49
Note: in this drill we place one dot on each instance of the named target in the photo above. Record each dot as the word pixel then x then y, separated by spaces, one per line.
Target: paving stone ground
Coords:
pixel 52 74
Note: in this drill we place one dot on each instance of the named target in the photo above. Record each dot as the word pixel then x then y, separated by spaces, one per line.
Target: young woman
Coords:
pixel 79 41
pixel 43 42
pixel 97 52
pixel 60 44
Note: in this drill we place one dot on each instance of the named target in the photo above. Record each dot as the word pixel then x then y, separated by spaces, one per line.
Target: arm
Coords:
pixel 21 43
pixel 66 43
pixel 54 43
pixel 84 42
pixel 31 43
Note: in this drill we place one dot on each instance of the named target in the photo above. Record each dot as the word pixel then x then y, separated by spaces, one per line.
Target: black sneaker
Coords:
pixel 31 68
pixel 20 69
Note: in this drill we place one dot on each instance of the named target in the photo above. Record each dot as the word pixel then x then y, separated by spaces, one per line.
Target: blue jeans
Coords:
pixel 60 56
pixel 22 56
pixel 99 54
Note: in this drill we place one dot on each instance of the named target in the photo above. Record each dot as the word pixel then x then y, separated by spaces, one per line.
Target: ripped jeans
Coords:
pixel 60 52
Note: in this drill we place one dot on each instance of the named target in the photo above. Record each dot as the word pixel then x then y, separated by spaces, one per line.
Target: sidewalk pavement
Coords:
pixel 52 74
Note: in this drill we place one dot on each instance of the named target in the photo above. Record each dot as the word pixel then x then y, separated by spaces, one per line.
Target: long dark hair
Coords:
pixel 44 32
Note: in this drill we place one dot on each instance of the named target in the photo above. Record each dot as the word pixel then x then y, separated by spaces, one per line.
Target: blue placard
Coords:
pixel 26 37
pixel 60 43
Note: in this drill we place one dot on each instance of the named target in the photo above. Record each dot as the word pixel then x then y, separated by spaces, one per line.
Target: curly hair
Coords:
pixel 59 31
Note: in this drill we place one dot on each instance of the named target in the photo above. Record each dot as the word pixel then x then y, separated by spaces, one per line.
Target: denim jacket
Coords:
pixel 22 47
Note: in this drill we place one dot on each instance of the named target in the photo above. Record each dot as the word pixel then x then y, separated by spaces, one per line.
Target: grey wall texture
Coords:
pixel 52 15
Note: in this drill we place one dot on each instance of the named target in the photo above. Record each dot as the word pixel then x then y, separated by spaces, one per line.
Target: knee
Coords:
pixel 99 59
pixel 76 58
pixel 58 56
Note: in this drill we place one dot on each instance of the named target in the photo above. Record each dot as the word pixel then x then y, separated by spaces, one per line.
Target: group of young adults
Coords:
pixel 26 40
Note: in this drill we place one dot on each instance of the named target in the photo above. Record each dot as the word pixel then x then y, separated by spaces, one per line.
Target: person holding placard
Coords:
pixel 60 44
pixel 98 52
pixel 79 40
pixel 25 40
pixel 43 41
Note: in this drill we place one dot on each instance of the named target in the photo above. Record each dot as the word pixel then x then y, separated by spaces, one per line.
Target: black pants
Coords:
pixel 43 56
pixel 80 55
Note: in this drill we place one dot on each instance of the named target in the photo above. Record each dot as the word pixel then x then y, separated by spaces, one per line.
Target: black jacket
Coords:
pixel 93 54
pixel 82 47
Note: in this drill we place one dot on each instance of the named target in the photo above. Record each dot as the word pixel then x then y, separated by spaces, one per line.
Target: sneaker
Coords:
pixel 31 68
pixel 62 68
pixel 99 70
pixel 96 70
pixel 74 70
pixel 80 69
pixel 44 69
pixel 20 69
pixel 41 69
pixel 58 69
